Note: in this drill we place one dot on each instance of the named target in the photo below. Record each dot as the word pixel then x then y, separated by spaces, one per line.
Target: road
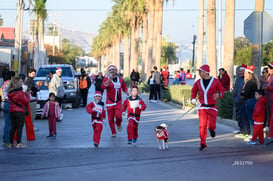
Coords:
pixel 71 156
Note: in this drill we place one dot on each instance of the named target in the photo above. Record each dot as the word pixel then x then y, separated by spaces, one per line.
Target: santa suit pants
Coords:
pixel 270 125
pixel 97 127
pixel 52 125
pixel 207 118
pixel 132 128
pixel 258 132
pixel 112 114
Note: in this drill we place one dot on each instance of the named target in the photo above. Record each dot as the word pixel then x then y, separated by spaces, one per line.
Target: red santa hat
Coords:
pixel 270 65
pixel 111 67
pixel 243 67
pixel 205 68
pixel 98 93
pixel 250 69
pixel 59 69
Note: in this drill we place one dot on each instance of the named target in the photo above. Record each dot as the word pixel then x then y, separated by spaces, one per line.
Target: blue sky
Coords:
pixel 180 20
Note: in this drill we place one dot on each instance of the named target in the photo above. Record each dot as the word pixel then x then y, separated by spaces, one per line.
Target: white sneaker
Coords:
pixel 236 132
pixel 20 145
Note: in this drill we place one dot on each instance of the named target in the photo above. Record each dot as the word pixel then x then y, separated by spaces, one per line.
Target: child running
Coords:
pixel 134 105
pixel 259 117
pixel 52 112
pixel 96 109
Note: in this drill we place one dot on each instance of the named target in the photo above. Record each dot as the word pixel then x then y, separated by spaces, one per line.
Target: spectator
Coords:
pixel 224 79
pixel 98 81
pixel 48 79
pixel 188 74
pixel 84 85
pixel 18 103
pixel 264 77
pixel 5 73
pixel 165 77
pixel 182 76
pixel 248 95
pixel 157 82
pixel 268 87
pixel 57 86
pixel 151 87
pixel 176 77
pixel 134 77
pixel 29 82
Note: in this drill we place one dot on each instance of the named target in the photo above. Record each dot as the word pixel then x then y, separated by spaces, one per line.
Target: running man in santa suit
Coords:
pixel 209 89
pixel 113 85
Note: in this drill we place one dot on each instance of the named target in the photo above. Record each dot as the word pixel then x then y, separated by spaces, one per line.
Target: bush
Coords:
pixel 166 97
pixel 143 87
pixel 180 94
pixel 225 106
pixel 128 82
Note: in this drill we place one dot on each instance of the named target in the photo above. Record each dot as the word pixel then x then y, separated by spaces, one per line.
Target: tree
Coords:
pixel 168 55
pixel 1 20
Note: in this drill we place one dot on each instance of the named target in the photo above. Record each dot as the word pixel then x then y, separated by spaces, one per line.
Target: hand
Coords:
pixel 127 93
pixel 216 96
pixel 193 101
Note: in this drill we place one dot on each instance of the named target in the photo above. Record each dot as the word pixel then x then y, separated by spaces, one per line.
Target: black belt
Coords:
pixel 136 115
pixel 97 118
pixel 118 99
pixel 208 105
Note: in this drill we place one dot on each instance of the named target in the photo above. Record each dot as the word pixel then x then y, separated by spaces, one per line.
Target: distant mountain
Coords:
pixel 82 39
pixel 184 52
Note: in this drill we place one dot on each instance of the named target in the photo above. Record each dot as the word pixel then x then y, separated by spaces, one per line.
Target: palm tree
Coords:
pixel 200 35
pixel 211 39
pixel 229 38
pixel 259 6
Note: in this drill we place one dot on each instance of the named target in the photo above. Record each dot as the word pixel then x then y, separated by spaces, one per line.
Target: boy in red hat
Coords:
pixel 113 83
pixel 96 109
pixel 209 89
pixel 134 105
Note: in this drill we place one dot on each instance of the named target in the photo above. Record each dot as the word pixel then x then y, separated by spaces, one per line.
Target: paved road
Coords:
pixel 71 156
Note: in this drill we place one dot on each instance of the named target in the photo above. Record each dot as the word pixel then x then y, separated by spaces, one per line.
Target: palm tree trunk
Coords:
pixel 229 38
pixel 200 40
pixel 118 54
pixel 158 30
pixel 126 65
pixel 144 46
pixel 259 6
pixel 211 36
pixel 134 36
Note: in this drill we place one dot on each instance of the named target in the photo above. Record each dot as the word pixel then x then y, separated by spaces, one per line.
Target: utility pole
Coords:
pixel 193 51
pixel 18 38
pixel 219 60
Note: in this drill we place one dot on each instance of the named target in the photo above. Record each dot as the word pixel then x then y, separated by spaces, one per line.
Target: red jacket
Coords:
pixel 97 111
pixel 113 95
pixel 225 81
pixel 259 111
pixel 20 97
pixel 206 95
pixel 134 108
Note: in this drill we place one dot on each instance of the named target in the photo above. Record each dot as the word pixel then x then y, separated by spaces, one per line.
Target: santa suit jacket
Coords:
pixel 113 96
pixel 259 111
pixel 206 94
pixel 134 108
pixel 97 111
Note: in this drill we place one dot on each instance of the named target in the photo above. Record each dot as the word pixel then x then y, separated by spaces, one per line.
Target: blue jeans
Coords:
pixel 243 122
pixel 250 105
pixel 7 126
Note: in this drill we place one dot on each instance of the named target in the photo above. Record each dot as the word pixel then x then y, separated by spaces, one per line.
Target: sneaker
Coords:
pixel 134 140
pixel 36 129
pixel 247 139
pixel 212 133
pixel 120 128
pixel 114 135
pixel 129 142
pixel 243 136
pixel 96 145
pixel 49 136
pixel 10 145
pixel 202 148
pixel 54 135
pixel 5 144
pixel 236 132
pixel 20 145
pixel 252 143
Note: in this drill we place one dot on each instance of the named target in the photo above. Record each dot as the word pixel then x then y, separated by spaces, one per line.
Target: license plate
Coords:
pixel 38 106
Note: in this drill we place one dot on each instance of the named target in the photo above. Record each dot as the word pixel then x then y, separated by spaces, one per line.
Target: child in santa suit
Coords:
pixel 209 89
pixel 259 117
pixel 113 84
pixel 96 109
pixel 134 105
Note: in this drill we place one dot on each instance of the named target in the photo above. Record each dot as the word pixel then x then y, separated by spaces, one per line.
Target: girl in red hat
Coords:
pixel 96 109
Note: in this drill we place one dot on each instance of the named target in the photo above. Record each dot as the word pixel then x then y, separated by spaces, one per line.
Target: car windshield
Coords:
pixel 43 72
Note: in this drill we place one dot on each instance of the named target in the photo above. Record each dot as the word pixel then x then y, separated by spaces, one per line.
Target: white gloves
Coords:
pixel 193 101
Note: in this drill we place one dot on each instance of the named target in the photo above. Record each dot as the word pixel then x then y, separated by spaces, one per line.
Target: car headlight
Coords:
pixel 71 85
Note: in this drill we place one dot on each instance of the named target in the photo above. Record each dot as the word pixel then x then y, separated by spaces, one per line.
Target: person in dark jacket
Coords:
pixel 19 101
pixel 5 73
pixel 134 77
pixel 98 81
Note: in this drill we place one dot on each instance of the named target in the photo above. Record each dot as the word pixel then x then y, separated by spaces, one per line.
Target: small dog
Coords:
pixel 162 135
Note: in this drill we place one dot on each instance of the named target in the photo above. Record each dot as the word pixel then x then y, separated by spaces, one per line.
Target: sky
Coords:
pixel 180 18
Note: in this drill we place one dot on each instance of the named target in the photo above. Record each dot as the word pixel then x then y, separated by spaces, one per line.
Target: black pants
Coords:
pixel 17 124
pixel 59 100
pixel 84 94
pixel 157 92
pixel 152 92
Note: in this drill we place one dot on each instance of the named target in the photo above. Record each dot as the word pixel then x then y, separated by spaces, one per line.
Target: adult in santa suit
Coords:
pixel 113 85
pixel 209 89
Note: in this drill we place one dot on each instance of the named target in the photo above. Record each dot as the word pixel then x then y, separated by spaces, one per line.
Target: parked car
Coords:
pixel 70 81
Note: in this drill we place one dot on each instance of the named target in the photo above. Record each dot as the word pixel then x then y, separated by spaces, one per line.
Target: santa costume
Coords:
pixel 114 100
pixel 97 112
pixel 207 111
pixel 134 108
